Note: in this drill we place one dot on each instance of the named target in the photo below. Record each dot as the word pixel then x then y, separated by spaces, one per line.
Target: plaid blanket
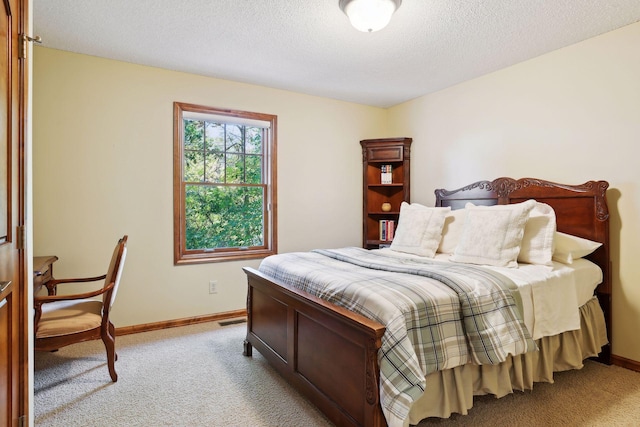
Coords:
pixel 437 315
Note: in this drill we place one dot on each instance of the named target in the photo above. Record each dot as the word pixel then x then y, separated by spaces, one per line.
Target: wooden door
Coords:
pixel 13 276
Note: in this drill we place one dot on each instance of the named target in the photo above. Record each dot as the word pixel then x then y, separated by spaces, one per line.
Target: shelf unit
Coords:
pixel 375 154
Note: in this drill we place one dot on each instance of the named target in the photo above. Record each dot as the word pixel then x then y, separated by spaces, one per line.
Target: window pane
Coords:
pixel 193 166
pixel 235 141
pixel 215 136
pixel 235 169
pixel 253 165
pixel 224 217
pixel 193 134
pixel 253 143
pixel 215 167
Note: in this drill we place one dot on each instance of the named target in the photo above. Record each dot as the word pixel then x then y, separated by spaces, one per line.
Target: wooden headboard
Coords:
pixel 581 210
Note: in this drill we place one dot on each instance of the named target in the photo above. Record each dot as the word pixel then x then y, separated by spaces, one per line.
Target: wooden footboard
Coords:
pixel 326 352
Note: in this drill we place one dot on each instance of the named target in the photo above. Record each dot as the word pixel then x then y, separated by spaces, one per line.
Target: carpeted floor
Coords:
pixel 197 376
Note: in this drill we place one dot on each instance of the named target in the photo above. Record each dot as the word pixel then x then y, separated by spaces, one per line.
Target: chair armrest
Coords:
pixel 51 298
pixel 55 282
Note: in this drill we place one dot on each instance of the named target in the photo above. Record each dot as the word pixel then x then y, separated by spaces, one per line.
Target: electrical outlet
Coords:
pixel 213 286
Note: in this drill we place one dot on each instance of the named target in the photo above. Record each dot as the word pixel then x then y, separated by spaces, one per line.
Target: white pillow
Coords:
pixel 537 243
pixel 492 234
pixel 569 247
pixel 419 229
pixel 452 231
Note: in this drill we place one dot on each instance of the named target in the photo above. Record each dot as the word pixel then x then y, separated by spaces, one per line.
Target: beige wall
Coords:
pixel 102 148
pixel 103 162
pixel 568 116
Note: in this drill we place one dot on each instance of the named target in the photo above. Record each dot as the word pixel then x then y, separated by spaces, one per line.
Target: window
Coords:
pixel 224 184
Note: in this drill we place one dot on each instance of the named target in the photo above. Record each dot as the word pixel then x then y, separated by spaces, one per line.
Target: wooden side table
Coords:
pixel 43 273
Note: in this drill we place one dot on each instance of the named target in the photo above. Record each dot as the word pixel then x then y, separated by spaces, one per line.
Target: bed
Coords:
pixel 331 354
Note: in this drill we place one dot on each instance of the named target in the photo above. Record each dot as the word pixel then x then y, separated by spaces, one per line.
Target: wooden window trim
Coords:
pixel 180 254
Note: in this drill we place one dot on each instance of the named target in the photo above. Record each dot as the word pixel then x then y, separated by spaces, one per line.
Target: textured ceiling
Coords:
pixel 308 46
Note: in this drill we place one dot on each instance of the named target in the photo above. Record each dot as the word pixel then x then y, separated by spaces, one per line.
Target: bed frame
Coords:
pixel 329 354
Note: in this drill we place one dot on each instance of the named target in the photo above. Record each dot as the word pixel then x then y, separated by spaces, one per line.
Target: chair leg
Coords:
pixel 108 338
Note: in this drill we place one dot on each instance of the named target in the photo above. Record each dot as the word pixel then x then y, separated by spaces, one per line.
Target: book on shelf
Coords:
pixel 391 229
pixel 386 175
pixel 387 229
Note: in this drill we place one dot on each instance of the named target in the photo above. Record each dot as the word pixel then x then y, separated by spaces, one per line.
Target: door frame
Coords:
pixel 25 209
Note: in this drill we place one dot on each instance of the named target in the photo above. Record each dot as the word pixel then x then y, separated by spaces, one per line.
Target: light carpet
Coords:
pixel 197 376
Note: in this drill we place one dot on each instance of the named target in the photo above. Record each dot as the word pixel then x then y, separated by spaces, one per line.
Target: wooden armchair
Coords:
pixel 61 320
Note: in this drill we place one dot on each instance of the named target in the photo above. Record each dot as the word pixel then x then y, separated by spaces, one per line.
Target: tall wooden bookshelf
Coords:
pixel 379 155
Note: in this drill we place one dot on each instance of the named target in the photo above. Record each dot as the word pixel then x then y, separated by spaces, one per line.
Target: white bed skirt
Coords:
pixel 452 390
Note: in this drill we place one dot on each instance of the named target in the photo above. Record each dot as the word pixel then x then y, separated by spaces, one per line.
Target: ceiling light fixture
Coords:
pixel 369 15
